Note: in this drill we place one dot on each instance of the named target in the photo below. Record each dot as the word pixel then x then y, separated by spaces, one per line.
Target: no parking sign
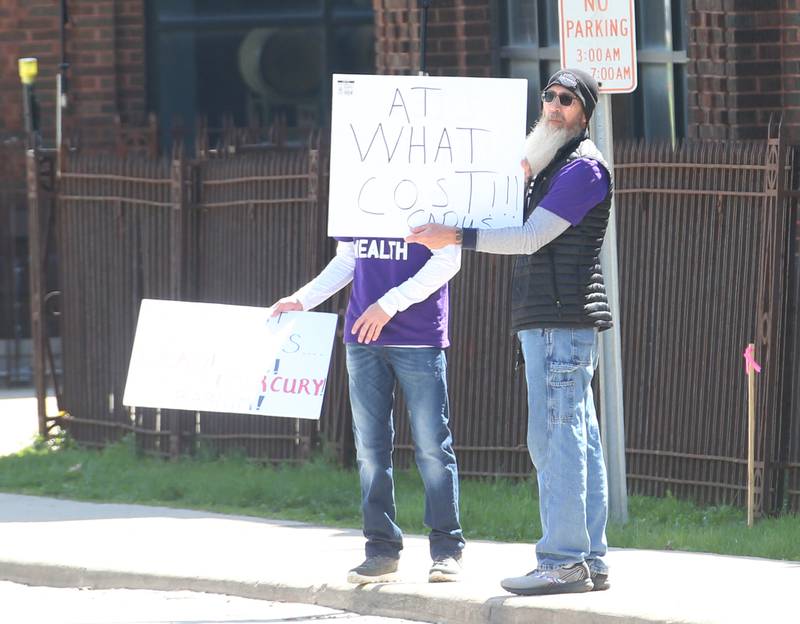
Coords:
pixel 599 36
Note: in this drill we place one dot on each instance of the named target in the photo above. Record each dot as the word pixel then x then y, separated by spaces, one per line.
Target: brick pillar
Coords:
pixel 458 43
pixel 106 45
pixel 743 56
pixel 790 81
pixel 396 36
pixel 93 70
pixel 131 63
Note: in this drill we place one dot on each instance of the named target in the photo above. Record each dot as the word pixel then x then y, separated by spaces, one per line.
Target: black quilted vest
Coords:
pixel 561 284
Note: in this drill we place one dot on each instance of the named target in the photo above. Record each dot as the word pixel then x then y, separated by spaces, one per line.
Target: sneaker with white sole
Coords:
pixel 445 569
pixel 377 569
pixel 571 579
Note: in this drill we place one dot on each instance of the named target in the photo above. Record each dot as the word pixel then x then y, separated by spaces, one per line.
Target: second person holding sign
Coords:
pixel 396 330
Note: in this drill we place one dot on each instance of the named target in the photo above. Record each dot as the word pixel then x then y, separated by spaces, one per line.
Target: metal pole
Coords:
pixel 59 109
pixel 28 115
pixel 751 439
pixel 35 273
pixel 611 398
pixel 61 80
pixel 28 70
pixel 423 37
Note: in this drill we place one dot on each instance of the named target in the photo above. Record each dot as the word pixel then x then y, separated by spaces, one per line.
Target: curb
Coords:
pixel 387 600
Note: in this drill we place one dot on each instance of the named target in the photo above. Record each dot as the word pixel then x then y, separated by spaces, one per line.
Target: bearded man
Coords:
pixel 558 306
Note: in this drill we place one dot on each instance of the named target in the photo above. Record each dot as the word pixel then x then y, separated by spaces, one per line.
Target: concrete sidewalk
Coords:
pixel 63 543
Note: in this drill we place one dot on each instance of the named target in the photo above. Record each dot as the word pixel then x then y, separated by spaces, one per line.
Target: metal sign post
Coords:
pixel 611 398
pixel 423 37
pixel 598 36
pixel 61 83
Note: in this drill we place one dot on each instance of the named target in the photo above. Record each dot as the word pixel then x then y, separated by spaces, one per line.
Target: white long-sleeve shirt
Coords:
pixel 437 271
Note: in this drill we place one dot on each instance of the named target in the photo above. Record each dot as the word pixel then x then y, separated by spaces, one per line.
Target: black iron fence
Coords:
pixel 14 310
pixel 239 230
pixel 705 248
pixel 705 233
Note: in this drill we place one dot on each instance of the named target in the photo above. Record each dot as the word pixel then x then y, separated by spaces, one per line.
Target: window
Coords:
pixel 528 31
pixel 255 61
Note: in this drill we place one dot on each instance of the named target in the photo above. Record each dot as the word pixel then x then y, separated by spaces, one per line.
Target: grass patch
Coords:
pixel 320 492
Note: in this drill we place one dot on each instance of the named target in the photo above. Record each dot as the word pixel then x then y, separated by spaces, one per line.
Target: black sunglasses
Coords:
pixel 565 99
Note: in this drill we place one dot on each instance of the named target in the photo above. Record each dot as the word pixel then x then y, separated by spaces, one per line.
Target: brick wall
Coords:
pixel 458 41
pixel 790 48
pixel 105 49
pixel 131 60
pixel 106 53
pixel 744 59
pixel 744 67
pixel 27 29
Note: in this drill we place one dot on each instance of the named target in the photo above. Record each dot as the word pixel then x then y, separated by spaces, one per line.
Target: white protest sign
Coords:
pixel 409 150
pixel 225 358
pixel 599 36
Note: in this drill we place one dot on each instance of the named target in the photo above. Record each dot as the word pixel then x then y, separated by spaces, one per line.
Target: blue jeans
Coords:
pixel 564 443
pixel 421 373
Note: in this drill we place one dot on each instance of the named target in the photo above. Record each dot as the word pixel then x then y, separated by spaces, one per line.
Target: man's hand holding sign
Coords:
pixel 437 235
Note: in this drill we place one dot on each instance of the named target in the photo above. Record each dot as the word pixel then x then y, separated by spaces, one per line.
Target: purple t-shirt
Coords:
pixel 575 189
pixel 382 264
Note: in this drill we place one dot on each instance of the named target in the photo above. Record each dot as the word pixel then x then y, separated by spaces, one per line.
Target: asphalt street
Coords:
pixel 23 604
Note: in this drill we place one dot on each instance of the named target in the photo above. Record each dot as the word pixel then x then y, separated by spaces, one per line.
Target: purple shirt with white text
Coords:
pixel 382 264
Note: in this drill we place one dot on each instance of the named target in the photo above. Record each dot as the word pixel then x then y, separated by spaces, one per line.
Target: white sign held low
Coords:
pixel 225 358
pixel 410 150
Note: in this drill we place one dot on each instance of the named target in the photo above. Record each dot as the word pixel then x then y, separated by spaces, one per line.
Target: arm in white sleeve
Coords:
pixel 334 277
pixel 436 272
pixel 541 227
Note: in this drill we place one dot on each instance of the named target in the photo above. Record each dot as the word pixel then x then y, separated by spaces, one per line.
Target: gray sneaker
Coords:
pixel 376 569
pixel 445 569
pixel 571 579
pixel 600 581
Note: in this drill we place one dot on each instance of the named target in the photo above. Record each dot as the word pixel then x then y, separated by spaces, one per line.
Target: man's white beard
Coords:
pixel 544 141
